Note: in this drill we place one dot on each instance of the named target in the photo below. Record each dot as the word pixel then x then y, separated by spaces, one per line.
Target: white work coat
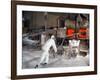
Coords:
pixel 74 44
pixel 49 43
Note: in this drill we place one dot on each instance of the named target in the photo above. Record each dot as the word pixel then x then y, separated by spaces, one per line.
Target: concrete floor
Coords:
pixel 31 57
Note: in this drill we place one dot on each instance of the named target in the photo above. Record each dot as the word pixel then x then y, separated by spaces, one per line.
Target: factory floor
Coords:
pixel 31 57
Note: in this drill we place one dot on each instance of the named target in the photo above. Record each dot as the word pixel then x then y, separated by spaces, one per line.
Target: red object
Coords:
pixel 70 32
pixel 83 33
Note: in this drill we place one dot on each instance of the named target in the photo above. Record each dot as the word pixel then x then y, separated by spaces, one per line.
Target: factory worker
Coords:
pixel 46 47
pixel 74 47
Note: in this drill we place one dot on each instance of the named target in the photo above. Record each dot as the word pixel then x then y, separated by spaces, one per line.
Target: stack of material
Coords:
pixel 61 32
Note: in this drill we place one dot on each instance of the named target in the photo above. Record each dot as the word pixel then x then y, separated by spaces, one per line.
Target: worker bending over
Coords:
pixel 45 51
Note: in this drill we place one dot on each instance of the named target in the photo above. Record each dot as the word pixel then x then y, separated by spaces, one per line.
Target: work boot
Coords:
pixel 43 63
pixel 36 66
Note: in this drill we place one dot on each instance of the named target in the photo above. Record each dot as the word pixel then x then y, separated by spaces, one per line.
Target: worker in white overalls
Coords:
pixel 46 47
pixel 74 47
